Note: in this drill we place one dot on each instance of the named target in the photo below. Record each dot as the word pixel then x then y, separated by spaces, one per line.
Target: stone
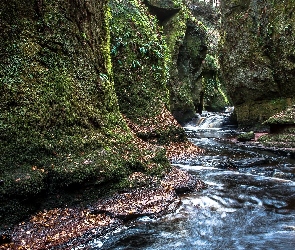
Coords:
pixel 257 57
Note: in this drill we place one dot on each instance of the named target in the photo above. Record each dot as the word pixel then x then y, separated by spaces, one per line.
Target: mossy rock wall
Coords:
pixel 257 54
pixel 71 86
pixel 139 57
pixel 186 41
pixel 214 93
pixel 157 61
pixel 60 123
pixel 185 86
pixel 260 111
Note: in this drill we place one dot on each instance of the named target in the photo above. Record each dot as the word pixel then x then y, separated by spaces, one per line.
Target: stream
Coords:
pixel 249 202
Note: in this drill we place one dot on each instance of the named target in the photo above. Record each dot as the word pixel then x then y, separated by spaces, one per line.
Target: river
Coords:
pixel 249 202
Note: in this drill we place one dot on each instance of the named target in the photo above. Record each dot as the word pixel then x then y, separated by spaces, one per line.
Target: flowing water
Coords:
pixel 249 203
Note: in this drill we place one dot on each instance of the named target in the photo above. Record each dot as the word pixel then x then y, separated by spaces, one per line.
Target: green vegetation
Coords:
pixel 139 56
pixel 282 140
pixel 87 90
pixel 186 38
pixel 215 98
pixel 287 116
pixel 246 136
pixel 60 124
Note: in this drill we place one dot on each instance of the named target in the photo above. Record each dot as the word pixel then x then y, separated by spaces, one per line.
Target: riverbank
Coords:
pixel 270 143
pixel 67 227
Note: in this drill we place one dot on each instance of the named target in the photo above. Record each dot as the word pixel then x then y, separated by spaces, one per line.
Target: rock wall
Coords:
pixel 187 47
pixel 141 72
pixel 80 81
pixel 215 96
pixel 257 56
pixel 186 41
pixel 158 61
pixel 60 125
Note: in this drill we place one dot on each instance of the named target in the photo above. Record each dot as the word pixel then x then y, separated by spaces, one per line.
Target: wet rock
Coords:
pixel 246 163
pixel 282 175
pixel 227 165
pixel 291 200
pixel 289 228
pixel 246 136
pixel 274 203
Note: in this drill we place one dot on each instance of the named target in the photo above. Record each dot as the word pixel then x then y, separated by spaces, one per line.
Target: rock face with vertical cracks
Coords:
pixel 186 42
pixel 257 57
pixel 191 54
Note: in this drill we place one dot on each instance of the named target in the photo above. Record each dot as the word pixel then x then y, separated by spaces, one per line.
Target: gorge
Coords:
pixel 95 92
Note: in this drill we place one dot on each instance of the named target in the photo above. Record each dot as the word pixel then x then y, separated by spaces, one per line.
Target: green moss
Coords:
pixel 258 50
pixel 186 43
pixel 141 61
pixel 258 112
pixel 60 123
pixel 246 136
pixel 283 140
pixel 138 55
pixel 287 116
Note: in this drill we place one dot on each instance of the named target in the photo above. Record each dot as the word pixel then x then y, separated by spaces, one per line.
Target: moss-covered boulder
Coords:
pixel 281 130
pixel 283 121
pixel 246 136
pixel 257 56
pixel 286 117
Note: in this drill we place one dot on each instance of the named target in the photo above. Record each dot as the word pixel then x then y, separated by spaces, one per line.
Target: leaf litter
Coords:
pixel 69 227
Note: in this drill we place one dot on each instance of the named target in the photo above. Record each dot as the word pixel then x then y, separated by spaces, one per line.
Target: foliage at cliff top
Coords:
pixel 285 117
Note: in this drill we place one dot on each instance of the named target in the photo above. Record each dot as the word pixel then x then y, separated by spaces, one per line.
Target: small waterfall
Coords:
pixel 211 120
